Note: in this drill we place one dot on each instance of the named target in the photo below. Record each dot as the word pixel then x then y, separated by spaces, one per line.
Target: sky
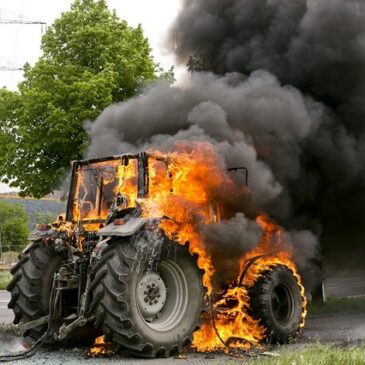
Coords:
pixel 21 43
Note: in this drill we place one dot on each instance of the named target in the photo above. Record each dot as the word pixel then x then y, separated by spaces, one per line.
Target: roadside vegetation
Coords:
pixel 38 211
pixel 5 278
pixel 13 227
pixel 336 306
pixel 317 355
pixel 90 60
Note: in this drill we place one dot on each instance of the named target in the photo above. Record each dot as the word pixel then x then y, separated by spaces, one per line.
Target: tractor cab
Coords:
pixel 100 188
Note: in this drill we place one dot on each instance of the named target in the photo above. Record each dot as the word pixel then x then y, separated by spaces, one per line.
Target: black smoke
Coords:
pixel 314 45
pixel 242 118
pixel 317 47
pixel 224 242
pixel 278 86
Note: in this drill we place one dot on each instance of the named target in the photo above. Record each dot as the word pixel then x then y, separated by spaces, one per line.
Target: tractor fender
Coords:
pixel 28 247
pixel 37 235
pixel 100 247
pixel 129 228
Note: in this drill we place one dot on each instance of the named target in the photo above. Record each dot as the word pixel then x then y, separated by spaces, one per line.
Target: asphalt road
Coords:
pixel 6 315
pixel 341 329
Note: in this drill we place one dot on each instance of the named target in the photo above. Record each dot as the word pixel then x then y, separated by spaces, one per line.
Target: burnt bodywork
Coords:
pixel 95 202
pixel 100 198
pixel 141 160
pixel 103 206
pixel 108 265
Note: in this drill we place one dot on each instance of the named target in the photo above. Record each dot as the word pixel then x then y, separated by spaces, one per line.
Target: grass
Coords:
pixel 336 306
pixel 5 278
pixel 316 355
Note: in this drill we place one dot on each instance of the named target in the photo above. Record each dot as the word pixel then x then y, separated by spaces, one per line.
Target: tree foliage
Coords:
pixel 13 226
pixel 90 60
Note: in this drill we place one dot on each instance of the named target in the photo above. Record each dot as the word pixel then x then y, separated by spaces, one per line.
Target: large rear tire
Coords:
pixel 31 285
pixel 276 301
pixel 151 307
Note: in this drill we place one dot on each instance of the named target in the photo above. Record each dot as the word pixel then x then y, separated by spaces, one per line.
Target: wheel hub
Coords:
pixel 151 295
pixel 282 303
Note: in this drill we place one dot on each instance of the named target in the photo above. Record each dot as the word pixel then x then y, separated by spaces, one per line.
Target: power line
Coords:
pixel 19 21
pixel 10 17
pixel 8 65
pixel 6 68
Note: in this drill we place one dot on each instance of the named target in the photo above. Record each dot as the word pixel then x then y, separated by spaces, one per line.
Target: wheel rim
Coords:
pixel 282 303
pixel 162 296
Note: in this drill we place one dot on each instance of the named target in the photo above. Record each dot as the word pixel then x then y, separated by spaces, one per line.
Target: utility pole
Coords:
pixel 8 18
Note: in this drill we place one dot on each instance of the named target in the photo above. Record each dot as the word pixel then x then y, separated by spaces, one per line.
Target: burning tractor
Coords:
pixel 127 262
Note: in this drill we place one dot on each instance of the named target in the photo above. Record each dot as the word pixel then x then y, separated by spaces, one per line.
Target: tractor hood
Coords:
pixel 127 228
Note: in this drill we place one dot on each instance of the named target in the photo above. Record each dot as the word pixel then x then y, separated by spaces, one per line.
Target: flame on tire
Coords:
pixel 182 186
pixel 197 179
pixel 233 324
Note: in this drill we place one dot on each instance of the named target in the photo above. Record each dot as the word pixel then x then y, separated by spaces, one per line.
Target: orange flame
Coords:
pixel 91 205
pixel 101 348
pixel 235 322
pixel 194 179
pixel 183 192
pixel 184 187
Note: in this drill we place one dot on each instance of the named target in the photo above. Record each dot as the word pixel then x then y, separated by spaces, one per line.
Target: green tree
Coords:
pixel 13 226
pixel 90 60
pixel 9 103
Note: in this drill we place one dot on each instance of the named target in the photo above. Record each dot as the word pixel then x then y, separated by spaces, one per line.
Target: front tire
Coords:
pixel 149 307
pixel 277 303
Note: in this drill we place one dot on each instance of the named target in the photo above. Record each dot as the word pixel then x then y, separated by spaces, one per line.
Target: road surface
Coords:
pixel 342 329
pixel 6 316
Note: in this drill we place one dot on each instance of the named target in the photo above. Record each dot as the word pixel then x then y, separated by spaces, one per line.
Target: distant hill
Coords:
pixel 32 206
pixel 56 195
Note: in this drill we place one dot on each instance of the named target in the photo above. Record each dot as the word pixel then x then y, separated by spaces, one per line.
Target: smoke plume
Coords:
pixel 250 121
pixel 278 87
pixel 317 47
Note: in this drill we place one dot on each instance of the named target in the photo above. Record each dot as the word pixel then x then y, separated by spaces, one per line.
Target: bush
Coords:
pixel 13 226
pixel 5 278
